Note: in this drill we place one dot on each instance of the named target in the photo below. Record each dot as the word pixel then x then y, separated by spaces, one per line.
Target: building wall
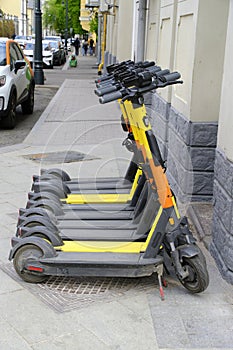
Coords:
pixel 222 235
pixel 125 27
pixel 192 121
pixel 17 8
pixel 190 42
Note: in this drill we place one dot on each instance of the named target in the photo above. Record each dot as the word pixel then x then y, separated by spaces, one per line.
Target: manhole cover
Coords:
pixel 59 157
pixel 68 293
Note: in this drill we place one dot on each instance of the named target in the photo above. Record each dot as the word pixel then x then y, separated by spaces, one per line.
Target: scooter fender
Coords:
pixel 52 236
pixel 23 213
pixel 37 220
pixel 187 251
pixel 43 203
pixel 47 249
pixel 43 195
pixel 56 187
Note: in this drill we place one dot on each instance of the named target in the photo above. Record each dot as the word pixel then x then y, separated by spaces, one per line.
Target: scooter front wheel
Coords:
pixel 198 279
pixel 21 256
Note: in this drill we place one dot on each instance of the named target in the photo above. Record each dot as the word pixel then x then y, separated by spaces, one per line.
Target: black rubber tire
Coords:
pixel 21 255
pixel 199 275
pixel 28 105
pixel 9 121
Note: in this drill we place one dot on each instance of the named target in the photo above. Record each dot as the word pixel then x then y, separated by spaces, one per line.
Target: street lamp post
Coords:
pixel 66 28
pixel 38 64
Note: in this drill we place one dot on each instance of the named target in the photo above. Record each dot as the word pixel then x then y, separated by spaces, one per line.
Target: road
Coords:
pixel 25 123
pixel 43 94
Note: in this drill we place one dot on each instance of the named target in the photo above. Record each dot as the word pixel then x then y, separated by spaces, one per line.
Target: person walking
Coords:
pixel 85 47
pixel 91 45
pixel 77 46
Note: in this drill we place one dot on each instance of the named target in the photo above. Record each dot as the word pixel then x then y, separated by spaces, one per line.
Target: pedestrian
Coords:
pixel 85 47
pixel 77 46
pixel 91 45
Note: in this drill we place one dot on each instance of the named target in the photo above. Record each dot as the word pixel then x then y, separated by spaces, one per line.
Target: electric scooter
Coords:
pixel 35 258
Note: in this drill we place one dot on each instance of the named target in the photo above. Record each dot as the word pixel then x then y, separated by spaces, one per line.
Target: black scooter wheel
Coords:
pixel 198 279
pixel 22 254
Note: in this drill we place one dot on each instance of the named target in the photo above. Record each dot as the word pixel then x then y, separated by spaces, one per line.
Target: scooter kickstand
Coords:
pixel 160 274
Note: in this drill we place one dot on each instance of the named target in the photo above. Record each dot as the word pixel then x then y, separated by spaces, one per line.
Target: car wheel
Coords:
pixel 28 105
pixel 9 121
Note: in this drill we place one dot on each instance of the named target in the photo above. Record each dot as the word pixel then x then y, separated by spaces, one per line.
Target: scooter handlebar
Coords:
pixel 170 77
pixel 106 90
pixel 110 97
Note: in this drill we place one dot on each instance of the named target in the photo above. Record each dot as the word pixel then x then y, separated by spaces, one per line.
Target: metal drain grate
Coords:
pixel 59 157
pixel 68 293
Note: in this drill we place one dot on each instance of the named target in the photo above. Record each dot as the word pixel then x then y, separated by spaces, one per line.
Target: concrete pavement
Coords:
pixel 117 314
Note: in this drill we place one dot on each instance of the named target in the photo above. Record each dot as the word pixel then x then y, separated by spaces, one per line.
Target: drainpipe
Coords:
pixel 99 37
pixel 140 49
pixel 101 65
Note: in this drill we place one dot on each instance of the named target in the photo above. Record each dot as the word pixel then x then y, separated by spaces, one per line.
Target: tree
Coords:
pixel 7 27
pixel 94 24
pixel 54 16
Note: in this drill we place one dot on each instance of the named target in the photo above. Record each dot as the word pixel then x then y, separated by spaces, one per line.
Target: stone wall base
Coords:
pixel 221 246
pixel 188 147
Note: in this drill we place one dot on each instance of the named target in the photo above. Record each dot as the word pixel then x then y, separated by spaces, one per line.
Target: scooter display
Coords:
pixel 155 230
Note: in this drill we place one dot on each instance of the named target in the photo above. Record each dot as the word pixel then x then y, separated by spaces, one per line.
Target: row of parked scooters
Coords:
pixel 122 227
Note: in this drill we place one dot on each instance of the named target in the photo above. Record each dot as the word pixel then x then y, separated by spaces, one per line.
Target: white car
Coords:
pixel 22 39
pixel 47 55
pixel 16 83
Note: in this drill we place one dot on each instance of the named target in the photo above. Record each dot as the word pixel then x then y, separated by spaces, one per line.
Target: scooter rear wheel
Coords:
pixel 198 279
pixel 25 252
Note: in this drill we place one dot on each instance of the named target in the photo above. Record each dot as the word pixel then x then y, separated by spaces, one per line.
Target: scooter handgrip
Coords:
pixel 110 97
pixel 106 90
pixel 162 72
pixel 171 77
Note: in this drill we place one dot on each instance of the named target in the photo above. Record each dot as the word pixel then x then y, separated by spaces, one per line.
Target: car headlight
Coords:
pixel 2 80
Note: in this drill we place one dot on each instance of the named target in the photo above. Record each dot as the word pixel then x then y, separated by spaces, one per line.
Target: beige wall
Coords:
pixel 152 30
pixel 11 6
pixel 199 56
pixel 192 40
pixel 225 135
pixel 124 33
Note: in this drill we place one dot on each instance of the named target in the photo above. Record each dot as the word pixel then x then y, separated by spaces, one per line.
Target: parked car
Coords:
pixel 16 83
pixel 59 55
pixel 53 38
pixel 22 39
pixel 47 55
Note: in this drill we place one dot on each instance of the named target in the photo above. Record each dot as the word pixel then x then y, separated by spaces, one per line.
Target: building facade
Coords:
pixel 22 13
pixel 193 121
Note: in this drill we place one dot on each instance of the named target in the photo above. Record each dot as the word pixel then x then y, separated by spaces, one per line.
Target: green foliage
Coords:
pixel 94 24
pixel 7 27
pixel 54 16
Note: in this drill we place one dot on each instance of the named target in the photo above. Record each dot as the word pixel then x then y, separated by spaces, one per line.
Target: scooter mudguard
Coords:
pixel 45 203
pixel 38 220
pixel 48 234
pixel 187 251
pixel 47 248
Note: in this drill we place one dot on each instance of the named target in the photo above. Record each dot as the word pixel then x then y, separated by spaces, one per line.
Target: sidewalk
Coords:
pixel 94 313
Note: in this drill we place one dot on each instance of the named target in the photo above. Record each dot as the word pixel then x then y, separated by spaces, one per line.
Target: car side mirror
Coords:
pixel 19 65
